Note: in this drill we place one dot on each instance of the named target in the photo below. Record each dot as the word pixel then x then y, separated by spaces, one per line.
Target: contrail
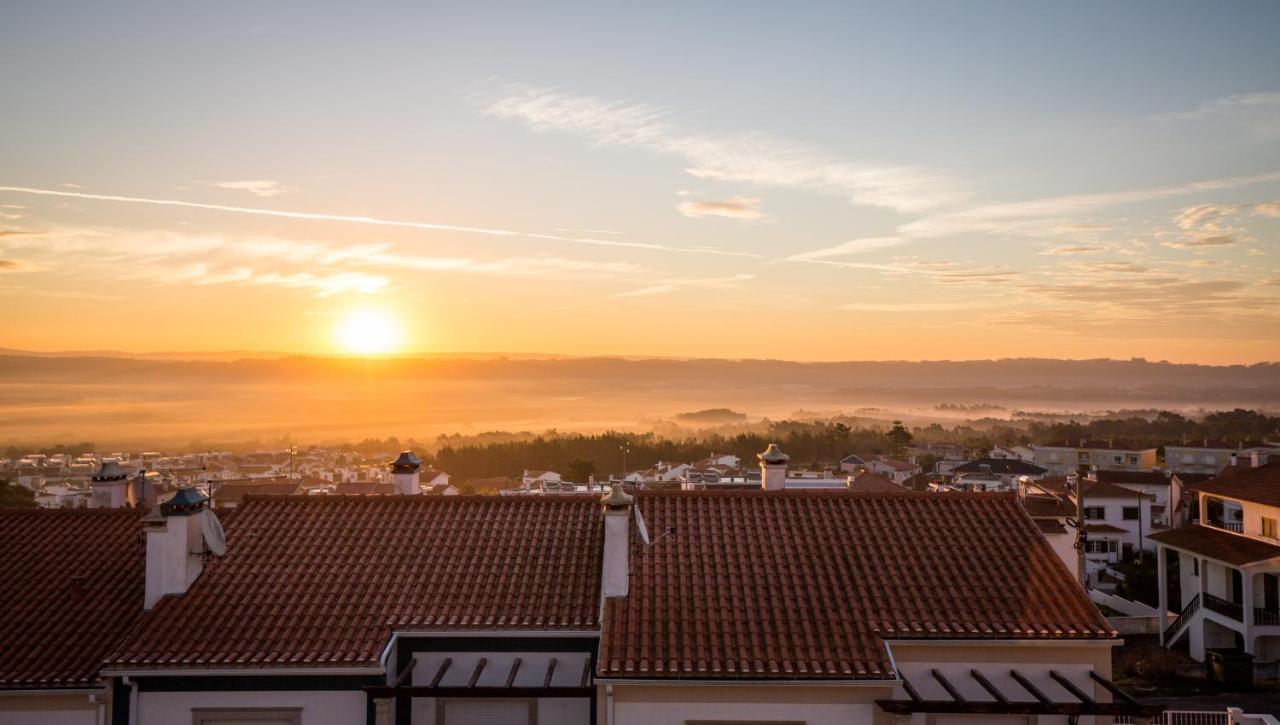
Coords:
pixel 374 221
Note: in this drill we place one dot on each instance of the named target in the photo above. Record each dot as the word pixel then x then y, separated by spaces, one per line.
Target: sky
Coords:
pixel 809 181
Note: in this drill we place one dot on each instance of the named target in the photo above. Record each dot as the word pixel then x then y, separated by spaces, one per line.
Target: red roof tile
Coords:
pixel 323 581
pixel 1259 485
pixel 809 585
pixel 73 585
pixel 868 482
pixel 1234 549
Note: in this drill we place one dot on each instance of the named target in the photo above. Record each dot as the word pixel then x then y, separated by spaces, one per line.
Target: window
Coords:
pixel 1101 546
pixel 1195 566
pixel 478 711
pixel 1210 460
pixel 1094 513
pixel 1117 459
pixel 1188 458
pixel 1133 460
pixel 1082 457
pixel 240 716
pixel 1269 527
pixel 1132 513
pixel 1054 458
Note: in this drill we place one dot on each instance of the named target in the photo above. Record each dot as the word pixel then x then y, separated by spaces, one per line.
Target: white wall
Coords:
pixel 318 708
pixel 640 705
pixel 47 717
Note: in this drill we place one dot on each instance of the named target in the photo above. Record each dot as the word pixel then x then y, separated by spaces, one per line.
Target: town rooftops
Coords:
pixel 868 482
pixel 810 585
pixel 897 465
pixel 1224 546
pixel 73 588
pixel 325 580
pixel 1001 466
pixel 749 584
pixel 231 492
pixel 1258 485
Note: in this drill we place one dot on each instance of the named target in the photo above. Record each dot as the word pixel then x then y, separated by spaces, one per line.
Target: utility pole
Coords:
pixel 293 451
pixel 1075 484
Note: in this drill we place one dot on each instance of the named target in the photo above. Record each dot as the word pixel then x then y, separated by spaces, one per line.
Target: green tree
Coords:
pixel 16 497
pixel 899 437
pixel 580 471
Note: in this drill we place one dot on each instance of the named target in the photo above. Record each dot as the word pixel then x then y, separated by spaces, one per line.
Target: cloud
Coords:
pixel 10 265
pixel 853 246
pixel 672 285
pixel 375 221
pixel 742 157
pixel 1205 225
pixel 738 207
pixel 1038 218
pixel 1073 249
pixel 1266 101
pixel 258 187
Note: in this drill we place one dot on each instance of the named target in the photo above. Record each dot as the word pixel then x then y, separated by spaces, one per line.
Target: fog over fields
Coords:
pixel 123 401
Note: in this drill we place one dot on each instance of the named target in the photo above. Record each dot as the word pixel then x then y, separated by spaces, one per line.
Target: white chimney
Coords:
pixel 773 468
pixel 175 544
pixel 110 486
pixel 404 473
pixel 1255 459
pixel 615 575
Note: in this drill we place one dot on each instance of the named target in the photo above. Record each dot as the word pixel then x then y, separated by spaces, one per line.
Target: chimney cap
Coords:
pixel 617 498
pixel 110 471
pixel 773 454
pixel 185 502
pixel 406 463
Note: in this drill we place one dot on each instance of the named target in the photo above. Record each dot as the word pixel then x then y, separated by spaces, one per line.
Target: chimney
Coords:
pixel 615 575
pixel 1255 460
pixel 110 486
pixel 1235 460
pixel 1023 482
pixel 773 468
pixel 175 543
pixel 404 474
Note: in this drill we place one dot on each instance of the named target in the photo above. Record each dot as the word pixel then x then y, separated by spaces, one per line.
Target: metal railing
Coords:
pixel 1183 717
pixel 1183 617
pixel 1224 607
pixel 1266 616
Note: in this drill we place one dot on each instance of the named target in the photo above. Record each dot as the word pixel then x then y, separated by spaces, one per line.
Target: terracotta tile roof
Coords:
pixel 232 492
pixel 808 585
pixel 1043 506
pixel 896 464
pixel 1051 526
pixel 1224 546
pixel 1259 485
pixel 365 488
pixel 868 482
pixel 324 580
pixel 72 589
pixel 1150 478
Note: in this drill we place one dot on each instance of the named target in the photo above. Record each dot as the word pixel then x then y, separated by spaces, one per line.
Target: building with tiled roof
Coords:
pixel 832 606
pixel 1208 456
pixel 1221 574
pixel 1001 467
pixel 73 590
pixel 868 482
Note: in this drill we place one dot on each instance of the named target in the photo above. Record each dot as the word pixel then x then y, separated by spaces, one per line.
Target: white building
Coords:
pixel 1221 575
pixel 1109 455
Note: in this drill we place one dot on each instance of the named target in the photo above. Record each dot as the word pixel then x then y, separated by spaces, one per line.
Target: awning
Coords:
pixel 995 690
pixel 492 674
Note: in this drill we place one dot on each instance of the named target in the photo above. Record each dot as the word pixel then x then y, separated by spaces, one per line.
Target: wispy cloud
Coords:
pixel 1048 217
pixel 1073 249
pixel 742 157
pixel 672 285
pixel 853 246
pixel 375 221
pixel 258 187
pixel 1229 105
pixel 738 207
pixel 1208 225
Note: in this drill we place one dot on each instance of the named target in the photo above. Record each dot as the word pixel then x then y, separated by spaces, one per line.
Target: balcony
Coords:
pixel 1269 617
pixel 1224 607
pixel 1234 526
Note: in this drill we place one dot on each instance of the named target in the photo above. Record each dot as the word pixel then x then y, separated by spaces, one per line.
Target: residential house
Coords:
pixel 418 609
pixel 853 463
pixel 893 469
pixel 1017 453
pixel 1051 514
pixel 994 474
pixel 868 482
pixel 1221 574
pixel 1108 455
pixel 1213 456
pixel 1165 490
pixel 727 460
pixel 229 494
pixel 1118 522
pixel 537 478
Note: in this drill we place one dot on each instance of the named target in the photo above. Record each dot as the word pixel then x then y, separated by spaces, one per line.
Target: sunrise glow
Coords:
pixel 368 331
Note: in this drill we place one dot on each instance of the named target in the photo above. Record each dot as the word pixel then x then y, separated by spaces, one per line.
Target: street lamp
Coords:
pixel 625 448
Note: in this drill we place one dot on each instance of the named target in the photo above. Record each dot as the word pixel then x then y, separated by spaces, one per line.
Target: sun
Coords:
pixel 368 332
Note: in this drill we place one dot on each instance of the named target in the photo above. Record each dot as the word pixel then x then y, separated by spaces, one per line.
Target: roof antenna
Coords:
pixel 644 530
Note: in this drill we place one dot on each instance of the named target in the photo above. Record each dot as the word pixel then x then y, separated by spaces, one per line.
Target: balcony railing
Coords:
pixel 1266 616
pixel 1184 616
pixel 1224 607
pixel 1236 526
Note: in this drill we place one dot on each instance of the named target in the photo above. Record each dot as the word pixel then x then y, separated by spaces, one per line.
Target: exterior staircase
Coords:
pixel 1179 625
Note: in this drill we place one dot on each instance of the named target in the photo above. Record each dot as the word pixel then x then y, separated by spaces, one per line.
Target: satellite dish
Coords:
pixel 644 530
pixel 214 537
